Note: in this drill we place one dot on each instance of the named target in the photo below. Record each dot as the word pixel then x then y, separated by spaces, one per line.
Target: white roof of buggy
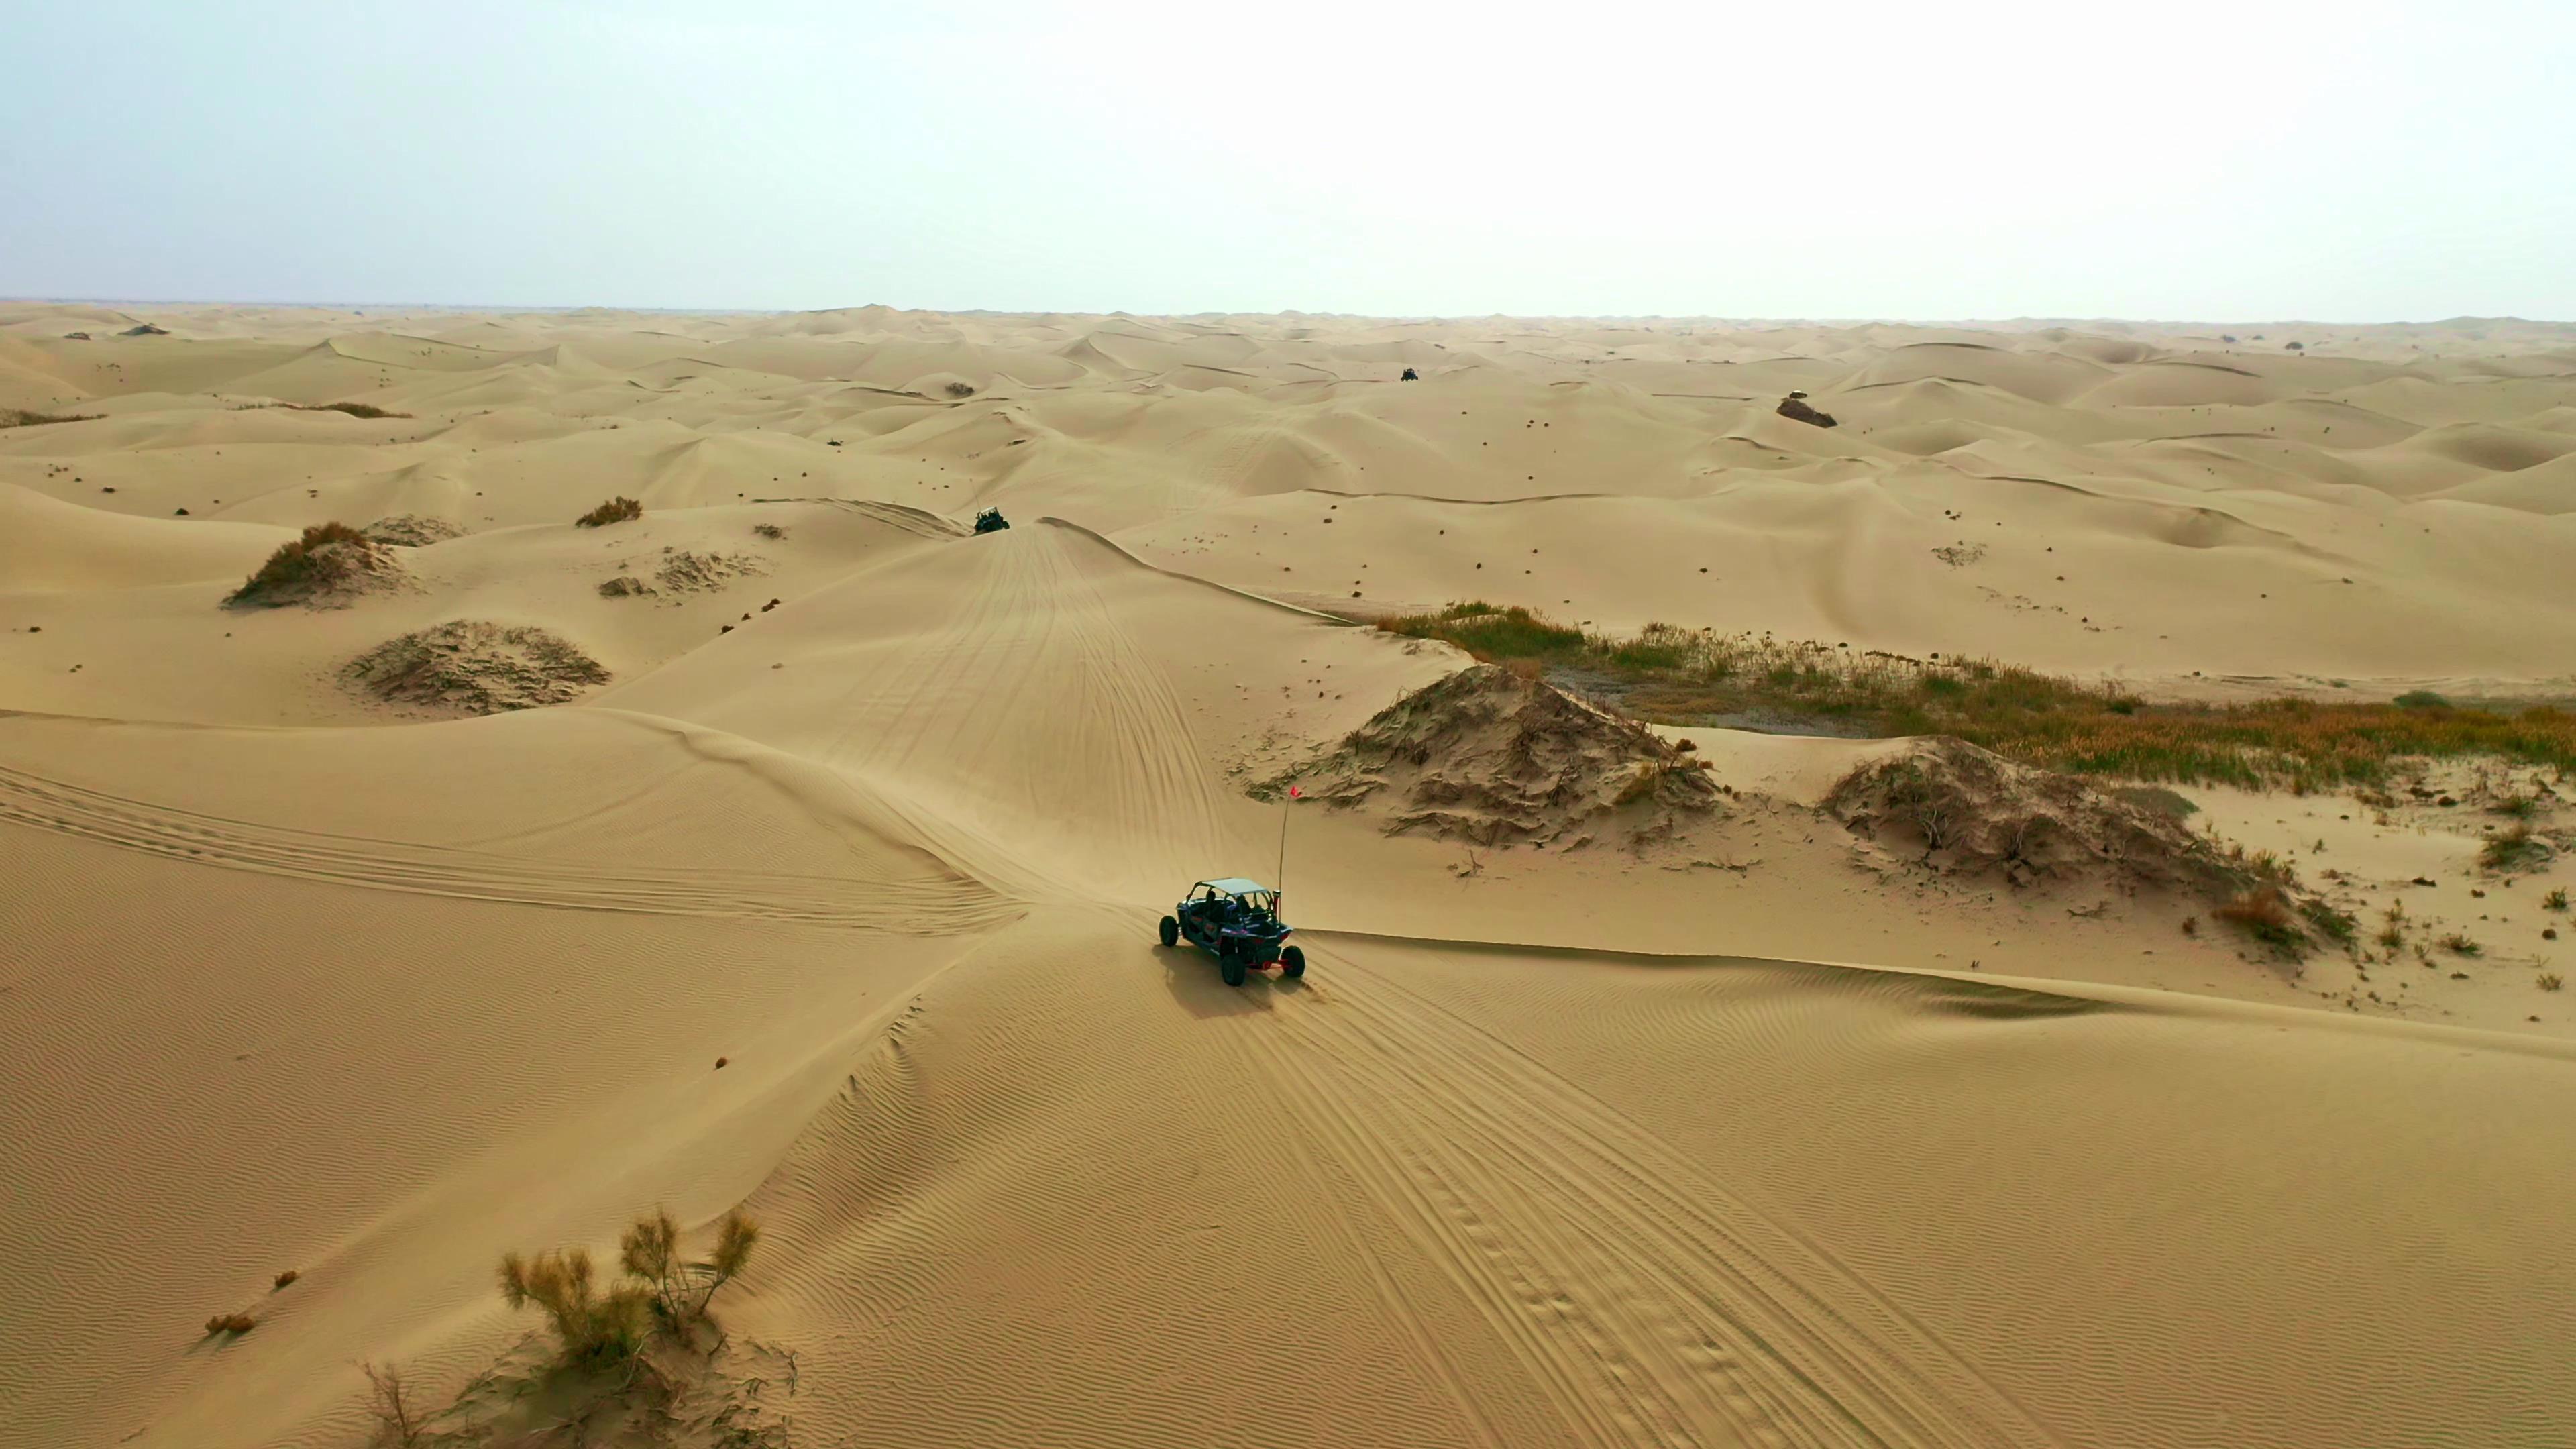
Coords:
pixel 1236 885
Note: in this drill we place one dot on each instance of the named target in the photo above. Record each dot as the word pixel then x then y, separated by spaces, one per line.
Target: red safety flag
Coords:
pixel 1296 794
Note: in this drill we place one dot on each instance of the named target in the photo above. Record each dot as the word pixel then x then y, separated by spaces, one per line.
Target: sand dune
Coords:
pixel 832 893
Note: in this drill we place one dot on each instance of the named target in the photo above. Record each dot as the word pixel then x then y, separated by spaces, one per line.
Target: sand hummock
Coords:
pixel 1490 757
pixel 330 567
pixel 413 530
pixel 470 666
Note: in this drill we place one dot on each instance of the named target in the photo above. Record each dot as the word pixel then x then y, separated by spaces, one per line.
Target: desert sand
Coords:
pixel 792 848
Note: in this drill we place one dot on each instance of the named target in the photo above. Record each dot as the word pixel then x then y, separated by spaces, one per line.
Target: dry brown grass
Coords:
pixel 615 510
pixel 2265 915
pixel 1671 675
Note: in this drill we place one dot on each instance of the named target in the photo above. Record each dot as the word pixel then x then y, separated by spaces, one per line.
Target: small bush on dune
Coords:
pixel 2556 900
pixel 2459 944
pixel 327 554
pixel 2420 699
pixel 592 1327
pixel 769 530
pixel 231 1323
pixel 661 1291
pixel 615 510
pixel 2515 849
pixel 401 1419
pixel 2265 916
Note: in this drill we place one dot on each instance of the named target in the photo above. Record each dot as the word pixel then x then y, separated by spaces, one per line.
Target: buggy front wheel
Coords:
pixel 1171 931
pixel 1292 962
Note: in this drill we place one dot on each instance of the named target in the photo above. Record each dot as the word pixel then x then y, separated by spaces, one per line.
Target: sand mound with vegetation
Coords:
pixel 412 530
pixel 1493 758
pixel 1970 811
pixel 331 565
pixel 475 667
pixel 684 572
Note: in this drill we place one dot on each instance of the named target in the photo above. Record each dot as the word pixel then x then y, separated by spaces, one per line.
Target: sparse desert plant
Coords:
pixel 287 1277
pixel 650 1254
pixel 2459 944
pixel 769 530
pixel 2393 934
pixel 2191 925
pixel 2515 849
pixel 620 509
pixel 1669 674
pixel 2556 900
pixel 26 418
pixel 231 1323
pixel 327 554
pixel 961 389
pixel 2549 981
pixel 2264 914
pixel 2336 926
pixel 661 1291
pixel 2519 806
pixel 592 1327
pixel 401 1419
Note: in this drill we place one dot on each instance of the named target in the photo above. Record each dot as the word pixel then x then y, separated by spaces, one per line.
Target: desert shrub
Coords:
pixel 401 1419
pixel 2515 849
pixel 287 1277
pixel 353 409
pixel 2264 915
pixel 2420 699
pixel 616 510
pixel 961 389
pixel 231 1323
pixel 592 1327
pixel 25 418
pixel 2556 900
pixel 2550 981
pixel 2520 807
pixel 650 1254
pixel 309 563
pixel 769 530
pixel 2459 944
pixel 661 1291
pixel 2336 926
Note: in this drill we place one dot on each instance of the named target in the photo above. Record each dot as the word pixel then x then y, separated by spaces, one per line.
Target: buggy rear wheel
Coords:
pixel 1171 931
pixel 1292 962
pixel 1230 966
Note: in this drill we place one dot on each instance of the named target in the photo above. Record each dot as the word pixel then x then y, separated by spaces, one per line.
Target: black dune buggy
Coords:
pixel 1238 922
pixel 991 521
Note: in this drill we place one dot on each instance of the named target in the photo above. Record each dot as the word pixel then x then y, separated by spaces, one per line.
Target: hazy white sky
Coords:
pixel 2348 161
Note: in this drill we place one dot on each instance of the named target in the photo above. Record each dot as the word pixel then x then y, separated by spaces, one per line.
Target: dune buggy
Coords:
pixel 991 521
pixel 1237 921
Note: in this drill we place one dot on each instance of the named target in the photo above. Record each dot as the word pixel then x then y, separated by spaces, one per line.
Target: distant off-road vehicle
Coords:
pixel 1410 376
pixel 1237 921
pixel 991 521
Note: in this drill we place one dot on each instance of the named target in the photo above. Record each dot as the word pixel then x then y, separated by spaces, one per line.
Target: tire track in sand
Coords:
pixel 907 906
pixel 1653 1306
